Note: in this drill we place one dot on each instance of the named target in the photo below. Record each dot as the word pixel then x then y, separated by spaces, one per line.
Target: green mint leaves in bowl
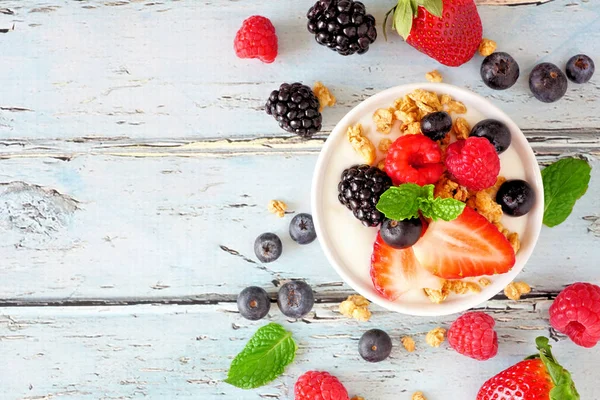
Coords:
pixel 407 200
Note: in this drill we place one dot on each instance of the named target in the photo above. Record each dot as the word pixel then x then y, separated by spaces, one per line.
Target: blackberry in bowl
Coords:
pixel 359 190
pixel 342 25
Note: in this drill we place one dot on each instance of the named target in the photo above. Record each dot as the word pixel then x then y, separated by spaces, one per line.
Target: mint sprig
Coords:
pixel 405 201
pixel 406 11
pixel 565 182
pixel 263 359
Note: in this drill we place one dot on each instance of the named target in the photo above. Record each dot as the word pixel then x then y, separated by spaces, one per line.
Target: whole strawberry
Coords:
pixel 447 30
pixel 318 385
pixel 256 39
pixel 538 377
pixel 576 313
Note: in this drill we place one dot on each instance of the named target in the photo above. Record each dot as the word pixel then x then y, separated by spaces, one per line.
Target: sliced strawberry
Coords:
pixel 467 246
pixel 395 272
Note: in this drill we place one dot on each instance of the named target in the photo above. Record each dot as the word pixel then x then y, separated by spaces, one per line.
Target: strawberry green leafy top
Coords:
pixel 564 387
pixel 406 10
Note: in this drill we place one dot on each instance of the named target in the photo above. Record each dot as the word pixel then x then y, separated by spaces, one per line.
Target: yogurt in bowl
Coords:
pixel 348 244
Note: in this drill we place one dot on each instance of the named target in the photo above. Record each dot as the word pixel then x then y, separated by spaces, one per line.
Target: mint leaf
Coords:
pixel 405 201
pixel 403 18
pixel 446 209
pixel 565 182
pixel 434 7
pixel 263 359
pixel 400 202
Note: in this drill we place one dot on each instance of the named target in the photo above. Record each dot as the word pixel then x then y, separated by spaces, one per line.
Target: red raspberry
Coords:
pixel 316 385
pixel 576 313
pixel 473 335
pixel 415 159
pixel 256 39
pixel 473 162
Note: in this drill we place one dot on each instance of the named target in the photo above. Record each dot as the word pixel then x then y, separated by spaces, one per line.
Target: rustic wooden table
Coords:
pixel 136 165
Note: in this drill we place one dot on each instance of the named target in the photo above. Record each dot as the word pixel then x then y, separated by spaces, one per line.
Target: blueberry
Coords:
pixel 295 299
pixel 580 68
pixel 436 125
pixel 375 345
pixel 495 131
pixel 401 234
pixel 547 82
pixel 516 197
pixel 253 303
pixel 302 229
pixel 268 247
pixel 499 71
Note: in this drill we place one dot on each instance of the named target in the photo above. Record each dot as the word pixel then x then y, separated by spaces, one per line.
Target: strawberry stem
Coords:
pixel 387 14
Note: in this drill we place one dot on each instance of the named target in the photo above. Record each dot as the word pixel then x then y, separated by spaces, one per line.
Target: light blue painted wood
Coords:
pixel 128 69
pixel 168 352
pixel 129 91
pixel 153 227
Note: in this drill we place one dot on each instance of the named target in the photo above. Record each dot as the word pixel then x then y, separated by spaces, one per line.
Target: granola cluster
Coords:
pixel 515 290
pixel 357 307
pixel 326 99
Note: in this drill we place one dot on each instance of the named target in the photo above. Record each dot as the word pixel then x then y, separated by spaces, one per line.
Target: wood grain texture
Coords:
pixel 136 165
pixel 167 352
pixel 184 227
pixel 147 70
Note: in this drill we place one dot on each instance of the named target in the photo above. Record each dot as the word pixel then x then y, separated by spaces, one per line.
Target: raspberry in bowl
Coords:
pixel 427 199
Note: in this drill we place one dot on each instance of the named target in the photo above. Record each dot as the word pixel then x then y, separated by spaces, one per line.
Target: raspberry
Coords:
pixel 316 385
pixel 256 39
pixel 576 313
pixel 473 162
pixel 473 335
pixel 415 159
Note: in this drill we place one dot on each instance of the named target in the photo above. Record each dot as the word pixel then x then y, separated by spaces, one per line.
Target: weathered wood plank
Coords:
pixel 165 352
pixel 150 70
pixel 183 228
pixel 545 143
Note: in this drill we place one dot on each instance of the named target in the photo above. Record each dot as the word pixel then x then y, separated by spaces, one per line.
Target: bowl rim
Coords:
pixel 471 300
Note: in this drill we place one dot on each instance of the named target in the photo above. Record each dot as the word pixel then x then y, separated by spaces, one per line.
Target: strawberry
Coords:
pixel 467 246
pixel 395 272
pixel 538 377
pixel 447 30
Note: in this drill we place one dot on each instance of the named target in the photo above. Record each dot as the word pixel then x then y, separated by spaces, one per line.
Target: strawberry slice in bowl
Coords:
pixel 397 271
pixel 468 246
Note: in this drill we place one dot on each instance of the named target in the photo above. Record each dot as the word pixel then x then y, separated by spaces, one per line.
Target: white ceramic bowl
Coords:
pixel 348 244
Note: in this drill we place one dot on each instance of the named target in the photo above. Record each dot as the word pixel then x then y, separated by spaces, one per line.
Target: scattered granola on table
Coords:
pixel 418 396
pixel 277 207
pixel 326 99
pixel 357 307
pixel 515 290
pixel 361 144
pixel 434 76
pixel 408 343
pixel 487 47
pixel 436 337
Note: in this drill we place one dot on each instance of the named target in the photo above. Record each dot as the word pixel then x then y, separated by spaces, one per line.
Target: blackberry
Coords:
pixel 296 108
pixel 359 190
pixel 342 25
